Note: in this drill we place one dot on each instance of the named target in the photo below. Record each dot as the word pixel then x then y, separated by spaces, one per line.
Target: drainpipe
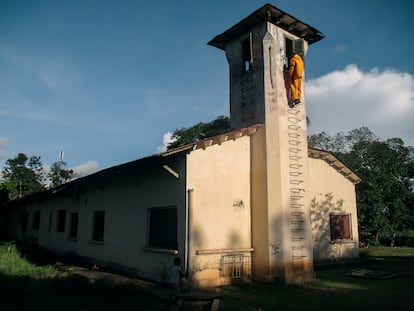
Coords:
pixel 187 233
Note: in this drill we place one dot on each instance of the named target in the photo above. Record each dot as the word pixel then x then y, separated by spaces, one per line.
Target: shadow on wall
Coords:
pixel 323 247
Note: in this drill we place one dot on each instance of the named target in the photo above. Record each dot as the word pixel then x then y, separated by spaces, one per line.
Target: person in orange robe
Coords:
pixel 296 67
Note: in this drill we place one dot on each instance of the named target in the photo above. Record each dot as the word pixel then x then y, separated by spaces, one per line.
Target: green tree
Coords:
pixel 200 131
pixel 385 196
pixel 22 176
pixel 58 174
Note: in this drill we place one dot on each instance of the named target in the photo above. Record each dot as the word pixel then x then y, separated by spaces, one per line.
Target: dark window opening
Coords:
pixel 288 51
pixel 292 47
pixel 73 233
pixel 36 220
pixel 98 226
pixel 163 228
pixel 247 53
pixel 340 226
pixel 61 221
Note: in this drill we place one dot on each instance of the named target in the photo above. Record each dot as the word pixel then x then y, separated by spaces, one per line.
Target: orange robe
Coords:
pixel 296 68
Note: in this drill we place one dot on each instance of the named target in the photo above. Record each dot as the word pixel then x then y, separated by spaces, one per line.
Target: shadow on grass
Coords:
pixel 71 292
pixel 333 289
pixel 52 288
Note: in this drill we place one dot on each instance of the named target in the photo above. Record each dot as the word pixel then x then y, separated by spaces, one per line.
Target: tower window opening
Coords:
pixel 292 47
pixel 247 53
pixel 288 51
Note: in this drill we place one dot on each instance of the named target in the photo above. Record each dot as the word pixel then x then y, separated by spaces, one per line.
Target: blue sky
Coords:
pixel 105 80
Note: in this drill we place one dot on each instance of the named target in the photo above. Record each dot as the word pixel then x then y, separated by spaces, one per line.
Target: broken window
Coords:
pixel 247 53
pixel 73 233
pixel 98 226
pixel 61 221
pixel 162 231
pixel 36 220
pixel 340 226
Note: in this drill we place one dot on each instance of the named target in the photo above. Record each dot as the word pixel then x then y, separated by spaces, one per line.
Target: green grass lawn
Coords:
pixel 44 286
pixel 334 289
pixel 26 286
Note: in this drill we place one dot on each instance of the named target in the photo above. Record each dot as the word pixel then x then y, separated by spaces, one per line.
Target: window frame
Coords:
pixel 167 239
pixel 98 226
pixel 61 221
pixel 247 53
pixel 344 233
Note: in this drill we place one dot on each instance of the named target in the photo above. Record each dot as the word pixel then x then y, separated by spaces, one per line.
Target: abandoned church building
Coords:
pixel 253 204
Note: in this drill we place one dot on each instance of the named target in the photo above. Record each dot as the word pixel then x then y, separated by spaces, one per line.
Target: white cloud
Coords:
pixel 85 169
pixel 166 139
pixel 381 100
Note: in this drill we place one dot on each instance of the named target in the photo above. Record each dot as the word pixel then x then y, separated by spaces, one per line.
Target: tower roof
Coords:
pixel 272 14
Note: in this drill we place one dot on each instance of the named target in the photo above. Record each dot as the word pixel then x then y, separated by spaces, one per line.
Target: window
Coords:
pixel 73 233
pixel 291 47
pixel 98 226
pixel 340 226
pixel 36 220
pixel 288 51
pixel 247 53
pixel 61 221
pixel 162 231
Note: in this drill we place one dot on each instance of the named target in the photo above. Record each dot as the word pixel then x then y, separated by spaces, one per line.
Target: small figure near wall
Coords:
pixel 174 279
pixel 296 67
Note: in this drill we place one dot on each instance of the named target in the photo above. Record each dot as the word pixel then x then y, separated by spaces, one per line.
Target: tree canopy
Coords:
pixel 200 131
pixel 22 176
pixel 58 174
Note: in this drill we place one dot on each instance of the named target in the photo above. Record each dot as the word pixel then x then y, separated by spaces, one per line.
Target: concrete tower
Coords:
pixel 258 50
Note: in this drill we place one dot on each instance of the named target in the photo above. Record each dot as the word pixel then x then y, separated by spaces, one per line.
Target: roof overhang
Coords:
pixel 334 162
pixel 268 13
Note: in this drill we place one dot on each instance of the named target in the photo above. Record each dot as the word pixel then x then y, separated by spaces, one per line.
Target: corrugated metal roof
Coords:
pixel 274 15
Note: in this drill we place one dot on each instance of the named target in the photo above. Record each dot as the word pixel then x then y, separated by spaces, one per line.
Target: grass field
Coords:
pixel 383 280
pixel 27 286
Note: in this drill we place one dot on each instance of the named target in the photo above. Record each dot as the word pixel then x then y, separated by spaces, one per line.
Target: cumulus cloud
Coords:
pixel 382 100
pixel 166 139
pixel 85 169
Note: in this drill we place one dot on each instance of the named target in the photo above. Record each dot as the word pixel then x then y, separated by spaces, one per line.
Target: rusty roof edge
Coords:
pixel 249 130
pixel 261 15
pixel 337 164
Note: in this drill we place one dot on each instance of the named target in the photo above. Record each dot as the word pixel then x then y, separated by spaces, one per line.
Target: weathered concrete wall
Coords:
pixel 246 87
pixel 219 209
pixel 330 192
pixel 125 198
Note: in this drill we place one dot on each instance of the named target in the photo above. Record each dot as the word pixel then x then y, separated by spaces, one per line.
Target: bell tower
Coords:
pixel 259 49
